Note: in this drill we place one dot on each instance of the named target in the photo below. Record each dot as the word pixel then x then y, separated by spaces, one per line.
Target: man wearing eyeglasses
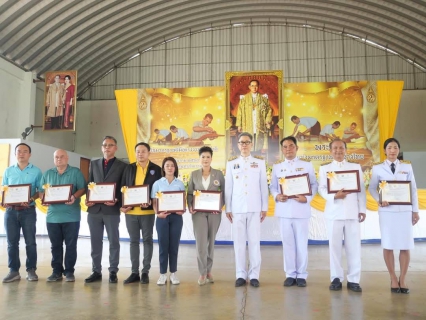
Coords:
pixel 105 215
pixel 246 198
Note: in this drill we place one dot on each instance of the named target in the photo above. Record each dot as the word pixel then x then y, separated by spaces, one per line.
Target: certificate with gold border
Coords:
pixel 171 202
pixel 15 194
pixel 347 180
pixel 395 192
pixel 207 201
pixel 292 186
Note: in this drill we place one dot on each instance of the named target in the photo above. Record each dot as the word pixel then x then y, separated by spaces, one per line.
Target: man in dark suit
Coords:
pixel 140 218
pixel 105 215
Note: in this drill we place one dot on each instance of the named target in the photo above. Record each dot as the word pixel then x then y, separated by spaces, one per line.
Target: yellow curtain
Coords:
pixel 127 109
pixel 388 97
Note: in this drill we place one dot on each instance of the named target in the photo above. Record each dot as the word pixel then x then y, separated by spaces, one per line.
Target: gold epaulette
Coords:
pixel 325 163
pixel 352 161
pixel 232 158
pixel 259 157
pixel 278 161
pixel 405 161
pixel 304 159
pixel 377 163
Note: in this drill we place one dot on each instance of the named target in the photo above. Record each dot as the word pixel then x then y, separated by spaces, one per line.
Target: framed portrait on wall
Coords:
pixel 254 106
pixel 60 97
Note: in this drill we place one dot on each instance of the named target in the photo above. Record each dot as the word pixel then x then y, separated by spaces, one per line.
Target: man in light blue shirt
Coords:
pixel 22 216
pixel 313 127
pixel 63 219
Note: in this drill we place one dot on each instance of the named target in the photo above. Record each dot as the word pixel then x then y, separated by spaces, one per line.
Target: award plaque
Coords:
pixel 292 186
pixel 347 180
pixel 207 201
pixel 101 192
pixel 57 194
pixel 171 201
pixel 135 195
pixel 395 192
pixel 16 194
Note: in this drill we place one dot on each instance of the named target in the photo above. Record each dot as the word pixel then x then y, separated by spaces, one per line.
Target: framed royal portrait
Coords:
pixel 60 97
pixel 253 102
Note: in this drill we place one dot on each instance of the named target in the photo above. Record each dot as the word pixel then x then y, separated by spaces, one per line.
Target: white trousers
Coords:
pixel 294 236
pixel 350 229
pixel 246 227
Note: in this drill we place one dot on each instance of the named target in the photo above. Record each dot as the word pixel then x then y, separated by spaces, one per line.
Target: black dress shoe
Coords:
pixel 354 287
pixel 404 290
pixel 145 278
pixel 95 276
pixel 240 282
pixel 134 277
pixel 336 285
pixel 254 283
pixel 113 277
pixel 289 282
pixel 301 282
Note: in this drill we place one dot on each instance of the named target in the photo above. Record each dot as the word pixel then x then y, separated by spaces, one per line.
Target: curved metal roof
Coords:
pixel 93 36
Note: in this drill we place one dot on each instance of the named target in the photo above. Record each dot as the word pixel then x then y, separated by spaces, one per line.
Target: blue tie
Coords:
pixel 393 167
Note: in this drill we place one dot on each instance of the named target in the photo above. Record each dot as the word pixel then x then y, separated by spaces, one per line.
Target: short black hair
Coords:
pixel 255 80
pixel 68 76
pixel 172 127
pixel 209 115
pixel 205 149
pixel 22 144
pixel 337 123
pixel 335 140
pixel 353 124
pixel 288 138
pixel 163 173
pixel 294 118
pixel 389 141
pixel 143 144
pixel 111 138
pixel 245 134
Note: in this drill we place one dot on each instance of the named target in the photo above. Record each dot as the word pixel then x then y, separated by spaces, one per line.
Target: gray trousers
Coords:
pixel 206 226
pixel 97 222
pixel 136 223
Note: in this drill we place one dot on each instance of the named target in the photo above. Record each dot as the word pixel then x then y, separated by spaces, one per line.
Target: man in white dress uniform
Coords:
pixel 246 200
pixel 343 212
pixel 294 213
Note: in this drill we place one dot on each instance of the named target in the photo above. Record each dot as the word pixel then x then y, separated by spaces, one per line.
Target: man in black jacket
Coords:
pixel 140 218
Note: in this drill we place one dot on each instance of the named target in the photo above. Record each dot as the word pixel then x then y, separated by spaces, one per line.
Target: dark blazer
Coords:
pixel 115 173
pixel 153 174
pixel 217 183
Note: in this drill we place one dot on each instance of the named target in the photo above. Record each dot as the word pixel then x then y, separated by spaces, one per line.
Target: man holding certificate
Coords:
pixel 341 185
pixel 246 199
pixel 293 186
pixel 393 186
pixel 142 174
pixel 21 215
pixel 104 202
pixel 62 188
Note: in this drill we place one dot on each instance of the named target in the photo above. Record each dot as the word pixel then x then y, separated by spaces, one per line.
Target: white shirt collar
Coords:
pixel 339 164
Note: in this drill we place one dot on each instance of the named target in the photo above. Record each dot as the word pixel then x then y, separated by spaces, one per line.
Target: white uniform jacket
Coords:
pixel 403 172
pixel 246 185
pixel 353 204
pixel 291 208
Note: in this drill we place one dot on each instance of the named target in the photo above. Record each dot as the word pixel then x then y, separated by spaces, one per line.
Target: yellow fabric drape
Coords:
pixel 388 97
pixel 127 109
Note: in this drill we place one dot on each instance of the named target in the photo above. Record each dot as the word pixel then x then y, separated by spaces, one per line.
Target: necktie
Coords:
pixel 105 163
pixel 393 167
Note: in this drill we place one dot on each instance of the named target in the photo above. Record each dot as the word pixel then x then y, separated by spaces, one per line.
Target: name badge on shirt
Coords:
pixel 254 165
pixel 299 169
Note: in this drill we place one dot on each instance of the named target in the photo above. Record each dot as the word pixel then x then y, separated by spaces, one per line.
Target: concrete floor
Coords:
pixel 221 300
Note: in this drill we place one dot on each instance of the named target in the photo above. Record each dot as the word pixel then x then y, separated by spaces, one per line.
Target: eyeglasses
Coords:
pixel 108 145
pixel 244 143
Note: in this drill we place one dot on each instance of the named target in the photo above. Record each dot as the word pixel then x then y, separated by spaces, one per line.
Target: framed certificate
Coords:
pixel 57 194
pixel 16 194
pixel 292 186
pixel 395 192
pixel 101 192
pixel 171 201
pixel 207 201
pixel 348 180
pixel 135 195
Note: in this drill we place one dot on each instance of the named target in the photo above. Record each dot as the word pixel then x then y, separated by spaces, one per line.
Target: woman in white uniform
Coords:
pixel 396 221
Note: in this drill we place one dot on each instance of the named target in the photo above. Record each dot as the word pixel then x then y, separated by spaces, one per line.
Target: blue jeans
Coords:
pixel 13 222
pixel 58 234
pixel 169 231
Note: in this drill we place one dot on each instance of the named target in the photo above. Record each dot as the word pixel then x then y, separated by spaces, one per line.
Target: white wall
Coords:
pixel 17 100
